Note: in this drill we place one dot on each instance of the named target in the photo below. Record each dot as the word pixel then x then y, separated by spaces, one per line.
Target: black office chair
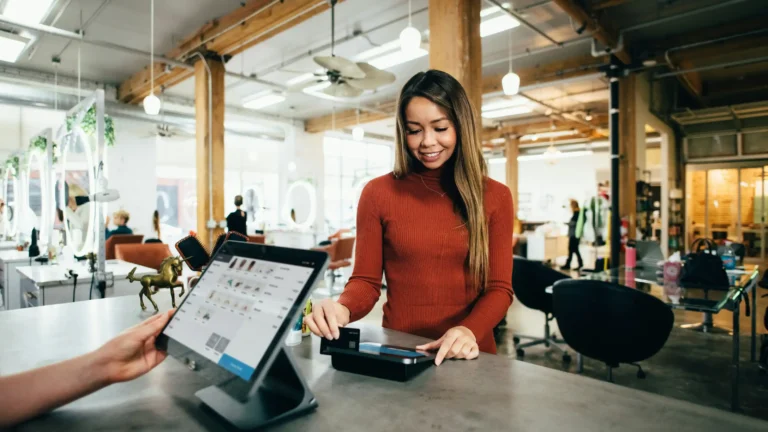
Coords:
pixel 530 279
pixel 610 322
pixel 153 240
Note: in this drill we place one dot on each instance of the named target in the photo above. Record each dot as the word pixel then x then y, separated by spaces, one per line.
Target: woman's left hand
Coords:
pixel 457 343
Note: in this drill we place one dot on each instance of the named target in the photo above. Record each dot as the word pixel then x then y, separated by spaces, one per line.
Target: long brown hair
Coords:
pixel 156 223
pixel 469 169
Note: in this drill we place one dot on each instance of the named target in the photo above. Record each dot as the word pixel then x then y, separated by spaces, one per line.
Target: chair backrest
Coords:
pixel 345 247
pixel 120 239
pixel 610 322
pixel 148 254
pixel 260 239
pixel 530 280
pixel 331 249
pixel 153 240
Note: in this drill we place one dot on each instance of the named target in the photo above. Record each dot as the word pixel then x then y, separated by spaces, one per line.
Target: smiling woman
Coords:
pixel 438 226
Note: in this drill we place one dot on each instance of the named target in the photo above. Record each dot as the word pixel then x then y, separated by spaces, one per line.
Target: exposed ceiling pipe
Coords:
pixel 524 22
pixel 56 19
pixel 714 66
pixel 530 52
pixel 682 15
pixel 40 28
pixel 86 24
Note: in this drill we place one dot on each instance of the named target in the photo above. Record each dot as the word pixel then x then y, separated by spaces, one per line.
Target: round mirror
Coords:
pixel 300 206
pixel 11 187
pixel 37 198
pixel 77 173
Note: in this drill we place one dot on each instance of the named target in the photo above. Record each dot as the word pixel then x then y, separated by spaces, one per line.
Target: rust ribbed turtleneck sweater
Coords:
pixel 408 229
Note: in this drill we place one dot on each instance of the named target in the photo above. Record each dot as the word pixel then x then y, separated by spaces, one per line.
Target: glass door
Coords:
pixel 729 204
pixel 753 211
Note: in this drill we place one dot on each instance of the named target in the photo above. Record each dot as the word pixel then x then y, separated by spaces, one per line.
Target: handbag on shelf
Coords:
pixel 703 268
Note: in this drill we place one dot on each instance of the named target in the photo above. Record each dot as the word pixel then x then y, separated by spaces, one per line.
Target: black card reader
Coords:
pixel 390 362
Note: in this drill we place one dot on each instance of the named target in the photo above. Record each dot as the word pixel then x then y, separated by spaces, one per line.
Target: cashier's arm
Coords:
pixel 129 355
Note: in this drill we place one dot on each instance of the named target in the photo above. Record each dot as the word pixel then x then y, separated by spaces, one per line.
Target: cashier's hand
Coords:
pixel 457 343
pixel 326 318
pixel 132 353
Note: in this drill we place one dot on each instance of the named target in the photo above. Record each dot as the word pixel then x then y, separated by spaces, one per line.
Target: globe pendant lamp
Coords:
pixel 510 83
pixel 152 102
pixel 410 37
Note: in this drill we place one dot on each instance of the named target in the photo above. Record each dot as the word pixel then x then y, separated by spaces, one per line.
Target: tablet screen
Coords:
pixel 235 311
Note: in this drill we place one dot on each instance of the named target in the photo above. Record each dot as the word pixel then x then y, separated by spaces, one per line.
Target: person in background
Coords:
pixel 438 226
pixel 574 236
pixel 121 222
pixel 156 224
pixel 77 211
pixel 128 356
pixel 237 220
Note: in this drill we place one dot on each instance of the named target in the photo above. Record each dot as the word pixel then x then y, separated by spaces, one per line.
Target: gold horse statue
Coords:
pixel 170 269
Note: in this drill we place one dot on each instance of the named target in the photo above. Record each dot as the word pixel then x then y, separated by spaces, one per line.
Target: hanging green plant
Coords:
pixel 13 162
pixel 39 144
pixel 88 125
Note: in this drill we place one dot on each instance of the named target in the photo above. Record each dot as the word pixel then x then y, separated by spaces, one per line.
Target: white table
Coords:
pixel 10 260
pixel 48 285
pixel 7 245
pixel 292 238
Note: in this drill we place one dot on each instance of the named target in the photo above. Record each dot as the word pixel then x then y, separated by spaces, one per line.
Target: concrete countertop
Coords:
pixel 491 393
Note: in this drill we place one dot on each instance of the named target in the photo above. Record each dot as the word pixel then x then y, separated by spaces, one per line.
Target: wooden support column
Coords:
pixel 210 160
pixel 455 45
pixel 511 152
pixel 628 151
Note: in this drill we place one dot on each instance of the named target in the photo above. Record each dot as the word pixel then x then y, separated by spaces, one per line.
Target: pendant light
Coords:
pixel 358 133
pixel 410 37
pixel 511 81
pixel 152 102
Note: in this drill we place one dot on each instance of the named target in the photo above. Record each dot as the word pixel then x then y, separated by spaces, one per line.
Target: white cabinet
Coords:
pixel 547 248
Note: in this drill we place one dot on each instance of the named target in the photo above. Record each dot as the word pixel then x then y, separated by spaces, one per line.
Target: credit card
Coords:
pixel 349 339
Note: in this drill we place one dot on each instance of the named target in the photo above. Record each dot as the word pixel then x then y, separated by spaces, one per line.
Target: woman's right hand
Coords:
pixel 326 318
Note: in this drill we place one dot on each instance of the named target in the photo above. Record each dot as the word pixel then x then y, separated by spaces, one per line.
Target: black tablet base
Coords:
pixel 283 394
pixel 377 368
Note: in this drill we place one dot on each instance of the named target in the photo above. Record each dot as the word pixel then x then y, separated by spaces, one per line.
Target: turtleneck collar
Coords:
pixel 431 174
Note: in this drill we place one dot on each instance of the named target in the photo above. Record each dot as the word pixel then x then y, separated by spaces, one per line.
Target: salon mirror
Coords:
pixel 78 183
pixel 300 205
pixel 10 221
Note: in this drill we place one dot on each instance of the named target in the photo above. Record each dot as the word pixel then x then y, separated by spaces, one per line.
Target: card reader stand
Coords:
pixel 377 368
pixel 281 395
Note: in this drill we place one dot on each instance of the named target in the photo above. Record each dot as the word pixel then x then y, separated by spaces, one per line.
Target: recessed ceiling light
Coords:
pixel 28 11
pixel 11 46
pixel 263 99
pixel 507 112
pixel 497 25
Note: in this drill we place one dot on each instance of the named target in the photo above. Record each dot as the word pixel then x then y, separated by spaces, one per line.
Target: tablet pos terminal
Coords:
pixel 233 323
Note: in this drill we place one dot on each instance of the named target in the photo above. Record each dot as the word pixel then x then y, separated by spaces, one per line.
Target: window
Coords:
pixel 349 165
pixel 177 198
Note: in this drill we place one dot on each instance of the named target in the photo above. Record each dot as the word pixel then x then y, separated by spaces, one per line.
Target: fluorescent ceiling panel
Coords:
pixel 263 100
pixel 497 25
pixel 389 55
pixel 492 10
pixel 11 46
pixel 503 103
pixel 507 112
pixel 28 11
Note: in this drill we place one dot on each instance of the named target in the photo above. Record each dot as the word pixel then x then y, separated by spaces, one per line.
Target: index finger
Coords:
pixel 447 344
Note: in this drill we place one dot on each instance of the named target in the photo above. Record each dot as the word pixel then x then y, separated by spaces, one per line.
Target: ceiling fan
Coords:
pixel 347 79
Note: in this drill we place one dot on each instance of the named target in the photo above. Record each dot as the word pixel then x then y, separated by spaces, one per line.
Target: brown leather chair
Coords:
pixel 148 254
pixel 120 239
pixel 340 254
pixel 260 239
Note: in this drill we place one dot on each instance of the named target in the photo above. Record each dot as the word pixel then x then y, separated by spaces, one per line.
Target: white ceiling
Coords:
pixel 126 22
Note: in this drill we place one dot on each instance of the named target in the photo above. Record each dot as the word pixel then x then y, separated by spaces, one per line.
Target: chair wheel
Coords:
pixel 520 353
pixel 641 374
pixel 516 340
pixel 566 358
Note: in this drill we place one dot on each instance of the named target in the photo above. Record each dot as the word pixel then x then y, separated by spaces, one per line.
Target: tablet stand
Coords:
pixel 282 394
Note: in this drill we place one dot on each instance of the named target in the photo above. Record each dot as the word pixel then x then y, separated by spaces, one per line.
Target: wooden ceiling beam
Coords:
pixel 348 118
pixel 594 26
pixel 598 121
pixel 252 23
